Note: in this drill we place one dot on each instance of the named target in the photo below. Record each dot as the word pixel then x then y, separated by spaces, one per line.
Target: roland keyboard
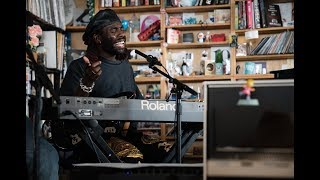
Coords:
pixel 128 109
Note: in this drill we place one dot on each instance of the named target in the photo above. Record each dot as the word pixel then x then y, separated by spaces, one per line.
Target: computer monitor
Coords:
pixel 266 127
pixel 249 139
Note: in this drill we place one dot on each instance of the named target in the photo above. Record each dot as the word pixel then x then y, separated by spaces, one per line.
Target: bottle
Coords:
pixel 204 58
pixel 218 62
pixel 42 55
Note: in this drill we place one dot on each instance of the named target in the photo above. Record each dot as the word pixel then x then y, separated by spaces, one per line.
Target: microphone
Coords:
pixel 151 59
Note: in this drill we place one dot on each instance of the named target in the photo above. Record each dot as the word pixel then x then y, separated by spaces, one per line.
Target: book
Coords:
pixel 249 68
pixel 286 11
pixel 49 38
pixel 221 15
pixel 268 44
pixel 173 36
pixel 244 15
pixel 274 16
pixel 259 46
pixel 249 14
pixel 262 9
pixel 275 43
pixel 256 11
pixel 241 20
pixel 282 41
pixel 175 19
pixel 260 68
pixel 265 45
pixel 236 16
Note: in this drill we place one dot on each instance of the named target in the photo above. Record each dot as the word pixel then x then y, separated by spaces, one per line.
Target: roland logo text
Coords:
pixel 156 105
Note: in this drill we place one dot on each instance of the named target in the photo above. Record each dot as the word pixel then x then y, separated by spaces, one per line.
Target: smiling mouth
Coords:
pixel 120 44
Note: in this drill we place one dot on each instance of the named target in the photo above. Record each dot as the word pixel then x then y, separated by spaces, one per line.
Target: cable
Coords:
pixel 85 129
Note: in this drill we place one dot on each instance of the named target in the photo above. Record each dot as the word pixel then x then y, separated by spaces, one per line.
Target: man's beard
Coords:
pixel 120 53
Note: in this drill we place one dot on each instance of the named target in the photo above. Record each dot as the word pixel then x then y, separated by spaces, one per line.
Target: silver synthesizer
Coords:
pixel 128 109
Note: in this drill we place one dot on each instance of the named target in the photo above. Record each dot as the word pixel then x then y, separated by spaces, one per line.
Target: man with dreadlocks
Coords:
pixel 105 72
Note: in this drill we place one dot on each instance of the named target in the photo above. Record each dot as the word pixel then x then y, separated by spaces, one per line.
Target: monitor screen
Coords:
pixel 267 126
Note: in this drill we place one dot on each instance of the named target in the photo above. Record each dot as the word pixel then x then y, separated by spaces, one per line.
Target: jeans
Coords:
pixel 48 156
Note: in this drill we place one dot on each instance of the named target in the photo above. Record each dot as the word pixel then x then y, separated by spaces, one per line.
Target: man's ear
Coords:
pixel 96 39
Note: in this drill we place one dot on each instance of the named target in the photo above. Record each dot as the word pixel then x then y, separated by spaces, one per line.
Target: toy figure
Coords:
pixel 247 89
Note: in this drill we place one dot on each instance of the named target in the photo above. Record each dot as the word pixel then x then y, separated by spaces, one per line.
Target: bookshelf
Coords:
pixel 274 60
pixel 126 12
pixel 52 35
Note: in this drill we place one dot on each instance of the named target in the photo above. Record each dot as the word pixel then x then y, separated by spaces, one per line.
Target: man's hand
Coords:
pixel 93 70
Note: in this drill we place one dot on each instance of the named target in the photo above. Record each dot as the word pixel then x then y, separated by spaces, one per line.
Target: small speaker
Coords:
pixel 187 37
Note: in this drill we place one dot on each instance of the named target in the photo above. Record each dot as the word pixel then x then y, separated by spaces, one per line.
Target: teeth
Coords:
pixel 121 42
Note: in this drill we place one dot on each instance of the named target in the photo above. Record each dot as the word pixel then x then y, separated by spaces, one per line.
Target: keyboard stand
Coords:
pixel 103 150
pixel 188 137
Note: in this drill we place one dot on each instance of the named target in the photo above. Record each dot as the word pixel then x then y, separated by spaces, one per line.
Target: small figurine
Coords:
pixel 247 89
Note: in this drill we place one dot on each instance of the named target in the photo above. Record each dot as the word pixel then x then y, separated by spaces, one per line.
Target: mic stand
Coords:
pixel 178 90
pixel 41 80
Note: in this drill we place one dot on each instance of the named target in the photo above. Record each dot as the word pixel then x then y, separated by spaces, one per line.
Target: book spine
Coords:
pixel 244 15
pixel 115 3
pixel 256 14
pixel 263 13
pixel 236 18
pixel 123 3
pixel 274 16
pixel 249 14
pixel 240 15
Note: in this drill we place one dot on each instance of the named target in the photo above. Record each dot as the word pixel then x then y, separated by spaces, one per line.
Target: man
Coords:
pixel 106 72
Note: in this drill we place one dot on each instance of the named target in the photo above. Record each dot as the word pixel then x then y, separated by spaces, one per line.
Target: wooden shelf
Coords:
pixel 76 28
pixel 171 10
pixel 266 30
pixel 254 76
pixel 146 80
pixel 265 57
pixel 134 9
pixel 196 45
pixel 45 25
pixel 143 44
pixel 190 27
pixel 200 78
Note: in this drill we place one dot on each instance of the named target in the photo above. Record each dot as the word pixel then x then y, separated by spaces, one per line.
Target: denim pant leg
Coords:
pixel 49 161
pixel 48 158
